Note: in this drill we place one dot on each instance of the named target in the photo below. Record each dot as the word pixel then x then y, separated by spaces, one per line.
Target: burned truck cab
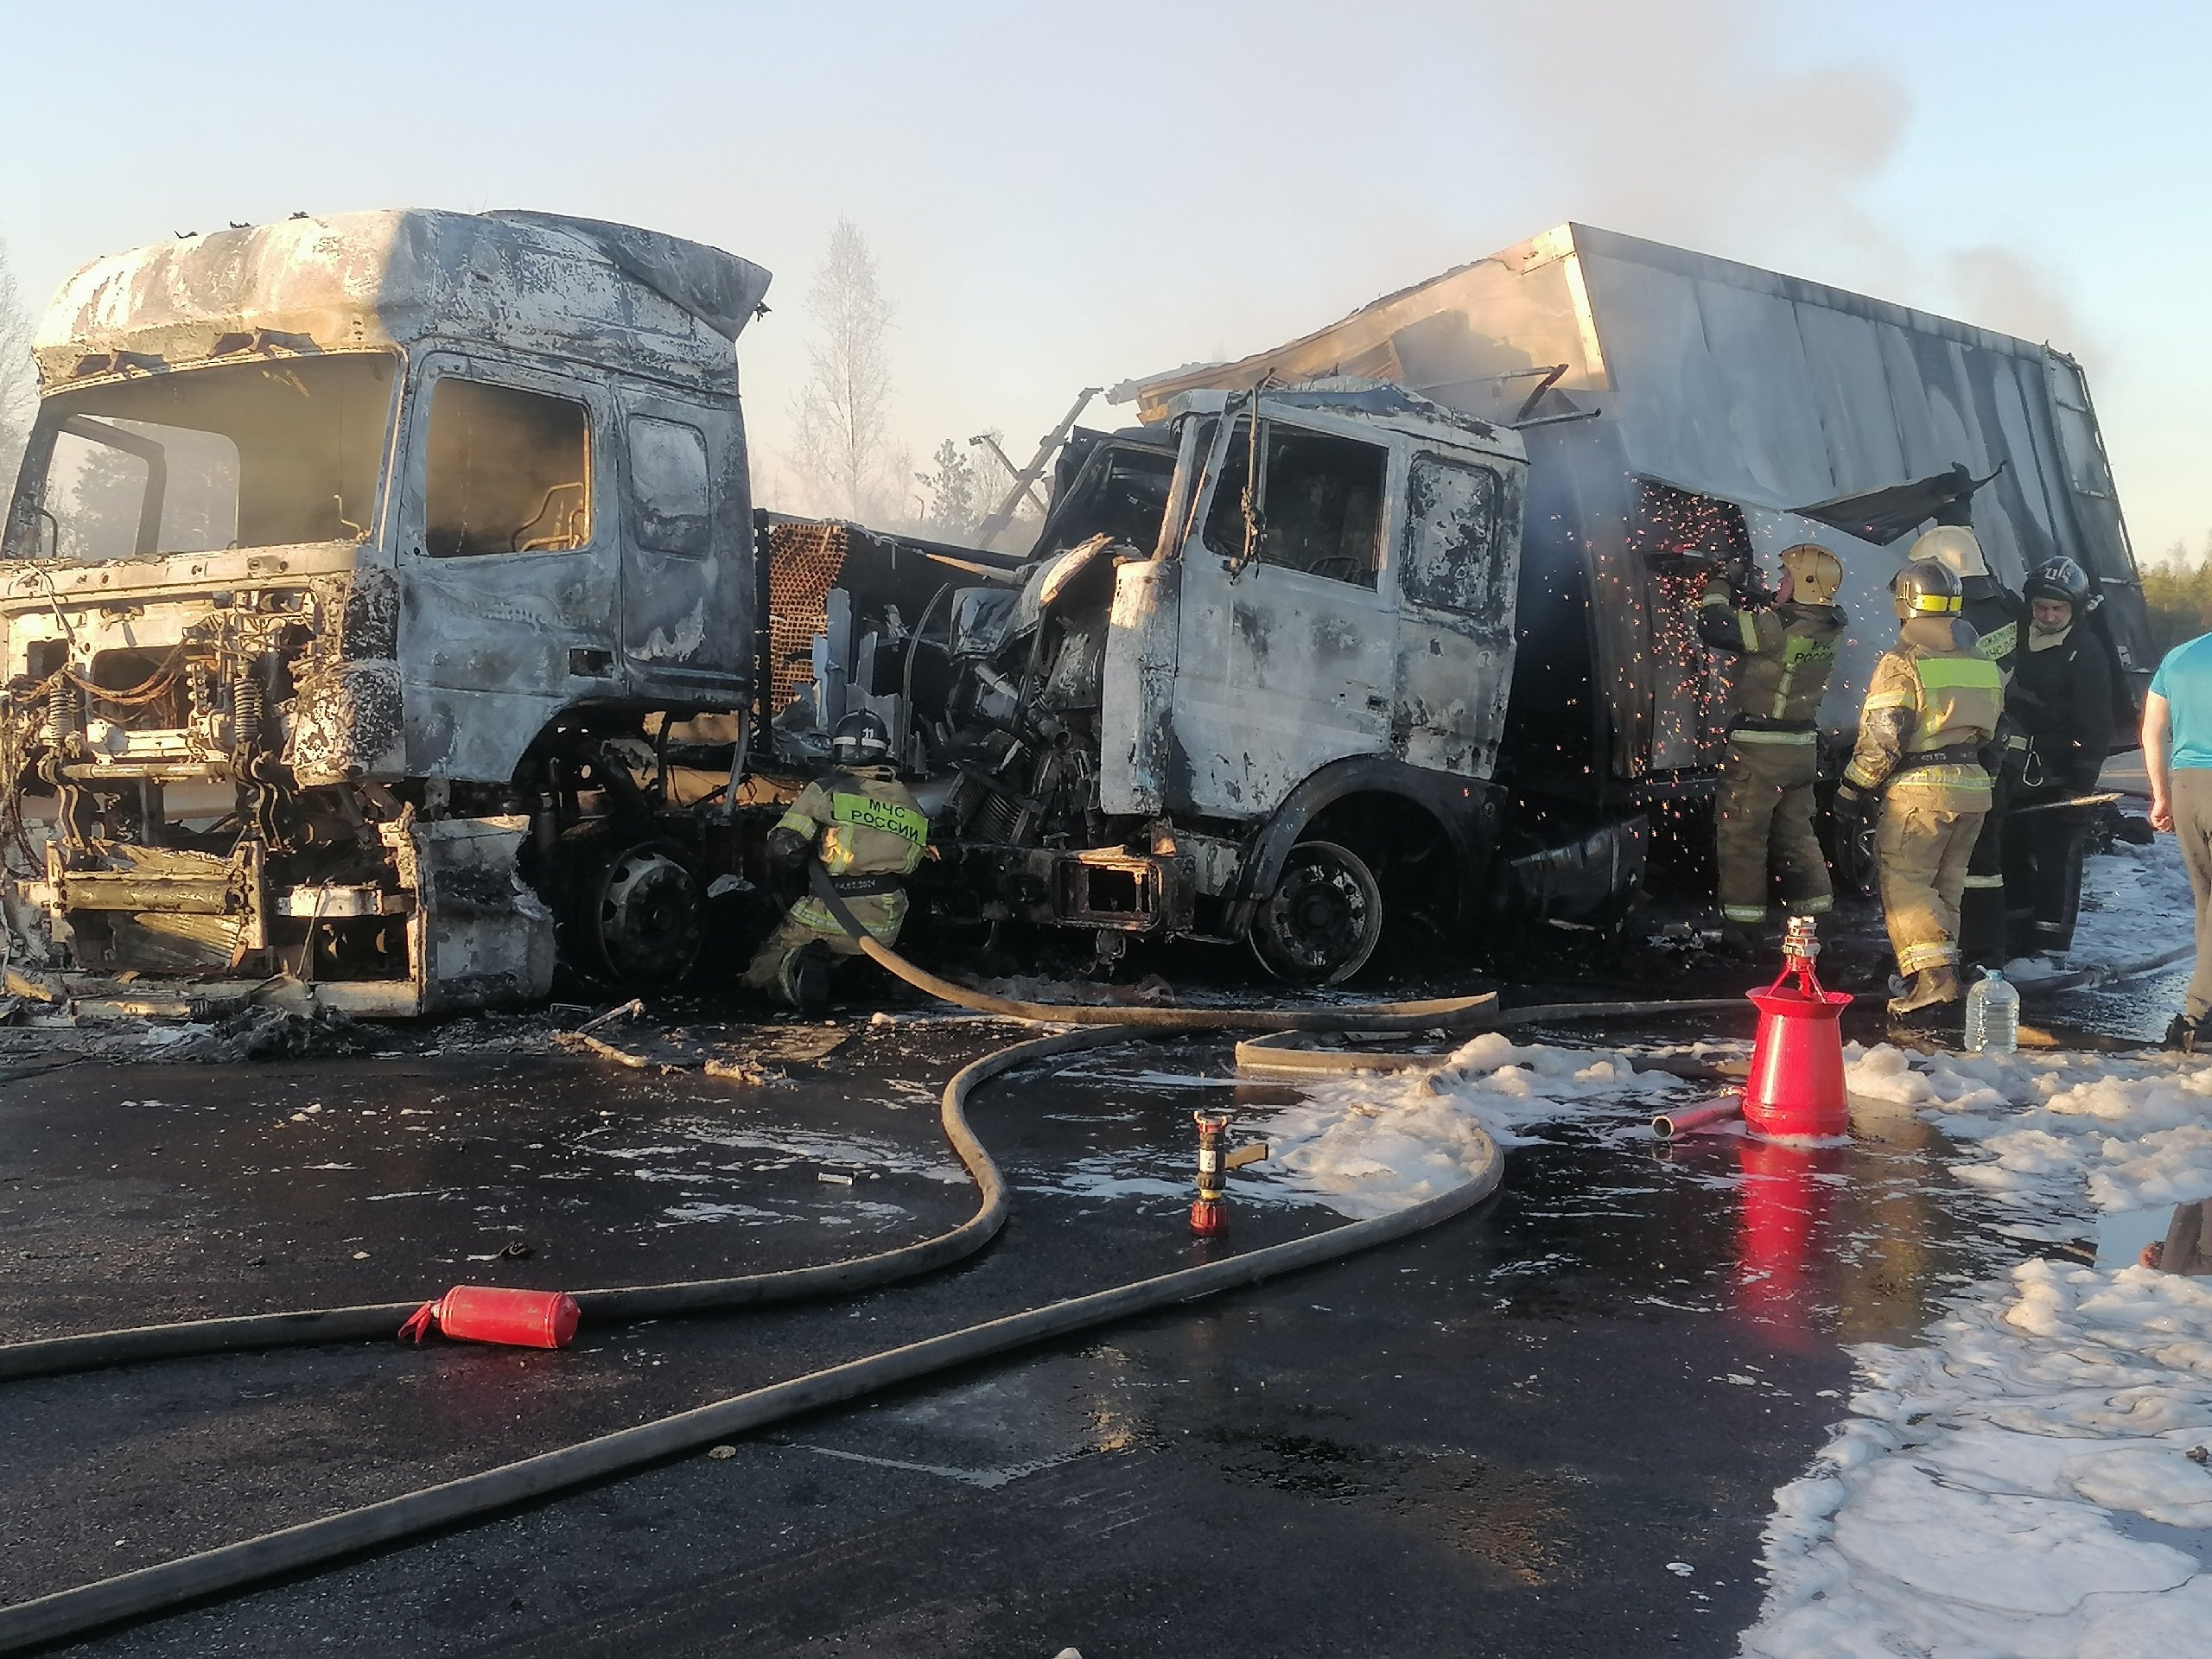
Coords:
pixel 1249 688
pixel 340 549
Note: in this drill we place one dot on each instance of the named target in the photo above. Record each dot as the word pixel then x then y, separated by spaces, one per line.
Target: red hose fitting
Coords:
pixel 1209 1212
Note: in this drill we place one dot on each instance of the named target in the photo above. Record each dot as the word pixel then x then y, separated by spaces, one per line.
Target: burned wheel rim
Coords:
pixel 1324 918
pixel 647 916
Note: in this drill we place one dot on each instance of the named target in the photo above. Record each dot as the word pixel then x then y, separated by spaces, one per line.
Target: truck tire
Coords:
pixel 1324 918
pixel 639 917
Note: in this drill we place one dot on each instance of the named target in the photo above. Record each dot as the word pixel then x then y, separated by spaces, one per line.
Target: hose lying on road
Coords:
pixel 377 1320
pixel 2095 974
pixel 1273 1054
pixel 1450 1011
pixel 255 1561
pixel 173 1584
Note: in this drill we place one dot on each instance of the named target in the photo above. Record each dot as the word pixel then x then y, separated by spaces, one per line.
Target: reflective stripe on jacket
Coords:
pixel 1788 652
pixel 867 822
pixel 1933 694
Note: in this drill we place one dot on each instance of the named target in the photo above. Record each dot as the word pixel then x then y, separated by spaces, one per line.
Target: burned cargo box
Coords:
pixel 1672 403
pixel 350 562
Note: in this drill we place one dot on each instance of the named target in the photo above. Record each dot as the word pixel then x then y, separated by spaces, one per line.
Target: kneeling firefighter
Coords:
pixel 1927 734
pixel 1763 812
pixel 867 831
pixel 2060 700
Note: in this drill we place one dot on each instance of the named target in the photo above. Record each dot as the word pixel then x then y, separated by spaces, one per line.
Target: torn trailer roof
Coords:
pixel 1671 401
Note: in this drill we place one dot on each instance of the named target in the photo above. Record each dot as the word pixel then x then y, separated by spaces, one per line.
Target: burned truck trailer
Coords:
pixel 342 551
pixel 1672 403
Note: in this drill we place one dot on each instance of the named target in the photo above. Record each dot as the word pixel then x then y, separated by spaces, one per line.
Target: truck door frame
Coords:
pixel 1234 620
pixel 494 647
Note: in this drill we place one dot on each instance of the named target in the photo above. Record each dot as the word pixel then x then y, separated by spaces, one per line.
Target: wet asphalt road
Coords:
pixel 1552 1426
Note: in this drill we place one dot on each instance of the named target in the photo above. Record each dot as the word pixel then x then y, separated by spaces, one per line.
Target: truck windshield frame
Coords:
pixel 1321 508
pixel 280 452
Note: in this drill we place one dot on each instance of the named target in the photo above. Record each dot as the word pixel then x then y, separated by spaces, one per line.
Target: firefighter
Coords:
pixel 1764 808
pixel 1926 733
pixel 866 830
pixel 2061 710
pixel 1997 616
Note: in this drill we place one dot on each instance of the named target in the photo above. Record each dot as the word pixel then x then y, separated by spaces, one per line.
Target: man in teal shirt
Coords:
pixel 2177 754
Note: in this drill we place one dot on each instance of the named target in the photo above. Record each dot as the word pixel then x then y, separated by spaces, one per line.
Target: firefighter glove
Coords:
pixel 787 849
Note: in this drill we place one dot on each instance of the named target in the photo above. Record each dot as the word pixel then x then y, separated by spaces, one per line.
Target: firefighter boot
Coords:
pixel 808 979
pixel 2183 1035
pixel 1928 995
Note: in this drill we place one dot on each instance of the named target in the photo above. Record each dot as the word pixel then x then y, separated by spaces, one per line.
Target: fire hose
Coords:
pixel 172 1583
pixel 151 1590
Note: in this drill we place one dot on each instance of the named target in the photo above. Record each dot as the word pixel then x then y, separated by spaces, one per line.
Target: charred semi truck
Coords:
pixel 384 604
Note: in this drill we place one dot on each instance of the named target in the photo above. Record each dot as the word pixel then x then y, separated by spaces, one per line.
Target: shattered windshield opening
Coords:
pixel 244 454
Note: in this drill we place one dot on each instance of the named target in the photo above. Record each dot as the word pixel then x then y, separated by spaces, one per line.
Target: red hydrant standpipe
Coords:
pixel 1796 1091
pixel 1210 1213
pixel 520 1319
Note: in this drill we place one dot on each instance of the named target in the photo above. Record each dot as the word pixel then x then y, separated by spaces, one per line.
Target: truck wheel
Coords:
pixel 1324 918
pixel 643 916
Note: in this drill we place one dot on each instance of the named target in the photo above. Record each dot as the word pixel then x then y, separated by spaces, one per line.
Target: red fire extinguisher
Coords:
pixel 521 1318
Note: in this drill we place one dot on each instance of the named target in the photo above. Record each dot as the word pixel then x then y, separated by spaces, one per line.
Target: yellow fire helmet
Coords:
pixel 1815 573
pixel 1926 588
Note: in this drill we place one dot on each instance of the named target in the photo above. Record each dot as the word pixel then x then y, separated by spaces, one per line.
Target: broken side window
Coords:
pixel 1451 517
pixel 670 487
pixel 239 455
pixel 1321 509
pixel 509 471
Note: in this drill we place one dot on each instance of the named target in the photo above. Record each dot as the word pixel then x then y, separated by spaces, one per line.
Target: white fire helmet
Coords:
pixel 1954 547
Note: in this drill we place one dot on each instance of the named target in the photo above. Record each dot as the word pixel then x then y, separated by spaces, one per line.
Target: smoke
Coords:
pixel 1680 121
pixel 2001 288
pixel 1689 122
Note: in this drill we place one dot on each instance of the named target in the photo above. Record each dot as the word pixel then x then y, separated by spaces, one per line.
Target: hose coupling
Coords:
pixel 1209 1213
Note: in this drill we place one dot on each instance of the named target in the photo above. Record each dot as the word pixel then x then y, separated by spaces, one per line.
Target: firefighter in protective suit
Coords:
pixel 1763 812
pixel 1926 733
pixel 866 830
pixel 2060 706
pixel 1998 618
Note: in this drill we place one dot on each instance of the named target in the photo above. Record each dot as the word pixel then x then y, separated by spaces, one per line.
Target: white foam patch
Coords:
pixel 2023 1485
pixel 1369 1146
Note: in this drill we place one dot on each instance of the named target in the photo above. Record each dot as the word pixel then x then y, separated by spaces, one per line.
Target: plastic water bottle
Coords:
pixel 1993 1016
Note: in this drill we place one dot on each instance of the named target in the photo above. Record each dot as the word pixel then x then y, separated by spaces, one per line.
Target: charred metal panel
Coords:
pixel 1277 673
pixel 482 937
pixel 1456 567
pixel 687 549
pixel 347 725
pixel 494 646
pixel 1141 763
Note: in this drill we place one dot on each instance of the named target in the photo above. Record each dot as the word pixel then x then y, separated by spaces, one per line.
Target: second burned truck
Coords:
pixel 384 603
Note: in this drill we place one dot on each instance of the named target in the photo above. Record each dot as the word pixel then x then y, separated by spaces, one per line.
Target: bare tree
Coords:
pixel 841 418
pixel 18 377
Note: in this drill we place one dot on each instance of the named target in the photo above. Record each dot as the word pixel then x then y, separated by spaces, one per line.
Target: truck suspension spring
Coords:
pixel 64 712
pixel 245 714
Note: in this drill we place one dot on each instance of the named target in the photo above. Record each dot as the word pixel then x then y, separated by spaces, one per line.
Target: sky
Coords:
pixel 1060 197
